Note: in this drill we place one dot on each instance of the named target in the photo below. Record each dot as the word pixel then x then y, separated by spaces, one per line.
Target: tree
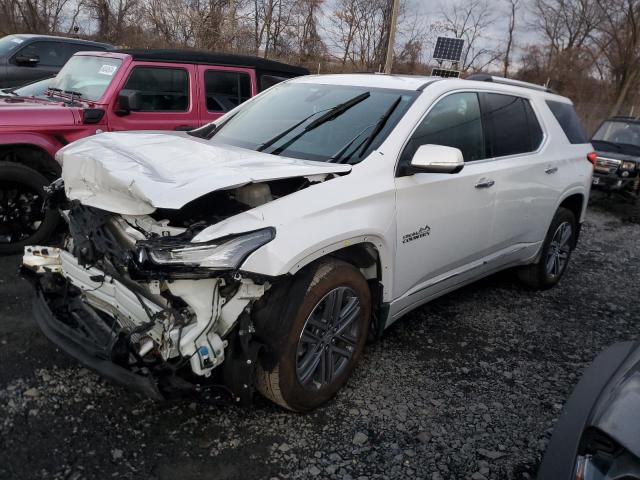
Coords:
pixel 618 39
pixel 470 20
pixel 112 17
pixel 511 26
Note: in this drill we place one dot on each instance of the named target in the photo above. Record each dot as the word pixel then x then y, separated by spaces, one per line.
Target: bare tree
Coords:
pixel 309 44
pixel 470 20
pixel 112 17
pixel 566 25
pixel 511 26
pixel 618 39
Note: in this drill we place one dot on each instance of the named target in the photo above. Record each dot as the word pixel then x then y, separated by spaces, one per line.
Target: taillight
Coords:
pixel 592 157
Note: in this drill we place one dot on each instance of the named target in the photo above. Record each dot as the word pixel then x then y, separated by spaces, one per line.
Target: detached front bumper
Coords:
pixel 158 338
pixel 76 309
pixel 83 347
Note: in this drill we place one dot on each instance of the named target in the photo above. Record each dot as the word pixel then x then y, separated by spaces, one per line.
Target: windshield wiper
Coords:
pixel 330 114
pixel 377 128
pixel 264 145
pixel 338 155
pixel 207 131
pixel 380 125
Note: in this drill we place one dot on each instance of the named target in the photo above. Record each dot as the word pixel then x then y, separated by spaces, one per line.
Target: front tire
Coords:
pixel 325 331
pixel 22 221
pixel 556 253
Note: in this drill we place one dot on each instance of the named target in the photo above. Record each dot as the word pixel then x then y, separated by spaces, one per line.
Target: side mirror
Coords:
pixel 28 60
pixel 129 101
pixel 436 159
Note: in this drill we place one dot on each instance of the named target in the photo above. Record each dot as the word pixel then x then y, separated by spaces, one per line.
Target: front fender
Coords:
pixel 46 143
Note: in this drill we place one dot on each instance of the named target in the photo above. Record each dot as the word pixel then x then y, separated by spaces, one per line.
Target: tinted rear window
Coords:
pixel 513 125
pixel 568 120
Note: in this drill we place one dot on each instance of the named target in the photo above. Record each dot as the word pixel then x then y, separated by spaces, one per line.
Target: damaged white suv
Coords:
pixel 263 250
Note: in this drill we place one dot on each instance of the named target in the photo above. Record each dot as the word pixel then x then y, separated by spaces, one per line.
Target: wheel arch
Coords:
pixel 576 203
pixel 371 258
pixel 32 156
pixel 368 253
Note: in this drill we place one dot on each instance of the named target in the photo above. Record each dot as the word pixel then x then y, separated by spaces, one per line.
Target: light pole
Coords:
pixel 392 36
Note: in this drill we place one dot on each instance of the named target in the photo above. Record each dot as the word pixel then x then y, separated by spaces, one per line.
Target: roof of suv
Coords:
pixel 195 56
pixel 418 83
pixel 33 36
pixel 371 80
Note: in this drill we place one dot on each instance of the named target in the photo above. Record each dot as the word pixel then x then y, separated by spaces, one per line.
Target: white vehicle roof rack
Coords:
pixel 485 77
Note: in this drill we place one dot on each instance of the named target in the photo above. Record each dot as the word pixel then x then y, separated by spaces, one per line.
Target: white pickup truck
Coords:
pixel 262 250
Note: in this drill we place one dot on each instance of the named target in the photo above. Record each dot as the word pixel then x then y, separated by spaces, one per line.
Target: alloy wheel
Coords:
pixel 329 338
pixel 559 250
pixel 21 212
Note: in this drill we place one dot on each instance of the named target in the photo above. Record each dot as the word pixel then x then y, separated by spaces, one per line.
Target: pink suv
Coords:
pixel 97 92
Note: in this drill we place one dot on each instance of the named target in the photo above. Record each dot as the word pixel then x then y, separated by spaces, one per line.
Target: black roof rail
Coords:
pixel 485 77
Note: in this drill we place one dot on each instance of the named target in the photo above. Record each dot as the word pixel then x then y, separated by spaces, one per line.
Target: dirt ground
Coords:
pixel 467 387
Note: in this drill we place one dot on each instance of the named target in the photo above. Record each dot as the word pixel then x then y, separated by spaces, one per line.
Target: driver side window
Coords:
pixel 454 121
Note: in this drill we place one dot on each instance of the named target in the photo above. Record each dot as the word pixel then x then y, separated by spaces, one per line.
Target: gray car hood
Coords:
pixel 134 173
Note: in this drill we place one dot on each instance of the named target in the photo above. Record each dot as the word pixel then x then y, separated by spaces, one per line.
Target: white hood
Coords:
pixel 136 172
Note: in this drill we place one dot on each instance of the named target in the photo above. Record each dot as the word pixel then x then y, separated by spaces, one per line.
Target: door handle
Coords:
pixel 184 128
pixel 485 183
pixel 551 170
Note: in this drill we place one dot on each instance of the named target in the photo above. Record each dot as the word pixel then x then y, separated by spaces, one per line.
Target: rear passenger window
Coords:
pixel 226 90
pixel 162 89
pixel 453 122
pixel 513 125
pixel 568 120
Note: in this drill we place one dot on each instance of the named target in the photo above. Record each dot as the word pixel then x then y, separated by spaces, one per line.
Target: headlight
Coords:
pixel 220 254
pixel 628 165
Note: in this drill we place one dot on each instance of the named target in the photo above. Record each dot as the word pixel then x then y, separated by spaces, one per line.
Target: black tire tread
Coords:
pixel 21 173
pixel 268 381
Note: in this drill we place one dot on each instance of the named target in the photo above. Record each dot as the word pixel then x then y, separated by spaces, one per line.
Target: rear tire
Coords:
pixel 21 198
pixel 324 324
pixel 556 253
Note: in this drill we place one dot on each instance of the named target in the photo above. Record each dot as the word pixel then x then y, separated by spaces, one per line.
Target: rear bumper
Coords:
pixel 85 349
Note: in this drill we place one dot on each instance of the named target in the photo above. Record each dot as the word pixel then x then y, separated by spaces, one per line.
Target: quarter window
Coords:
pixel 568 120
pixel 453 122
pixel 513 125
pixel 162 89
pixel 226 90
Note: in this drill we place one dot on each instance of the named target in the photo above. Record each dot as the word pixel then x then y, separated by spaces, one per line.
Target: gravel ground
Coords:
pixel 467 387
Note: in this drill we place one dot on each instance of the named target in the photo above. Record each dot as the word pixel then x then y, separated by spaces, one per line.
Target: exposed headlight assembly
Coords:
pixel 225 253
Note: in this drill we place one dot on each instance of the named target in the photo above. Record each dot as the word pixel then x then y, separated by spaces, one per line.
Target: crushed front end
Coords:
pixel 135 300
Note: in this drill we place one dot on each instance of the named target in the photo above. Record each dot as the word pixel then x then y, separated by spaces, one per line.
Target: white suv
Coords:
pixel 263 250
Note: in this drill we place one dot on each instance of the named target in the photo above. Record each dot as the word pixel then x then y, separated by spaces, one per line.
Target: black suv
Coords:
pixel 617 143
pixel 26 58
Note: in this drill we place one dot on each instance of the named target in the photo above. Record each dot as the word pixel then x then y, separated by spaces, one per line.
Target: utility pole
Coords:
pixel 392 36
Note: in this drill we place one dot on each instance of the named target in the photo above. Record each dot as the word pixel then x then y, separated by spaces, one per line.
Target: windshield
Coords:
pixel 622 133
pixel 87 76
pixel 316 122
pixel 9 43
pixel 34 89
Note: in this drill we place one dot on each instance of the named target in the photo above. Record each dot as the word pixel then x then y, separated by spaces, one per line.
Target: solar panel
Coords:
pixel 444 73
pixel 448 49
